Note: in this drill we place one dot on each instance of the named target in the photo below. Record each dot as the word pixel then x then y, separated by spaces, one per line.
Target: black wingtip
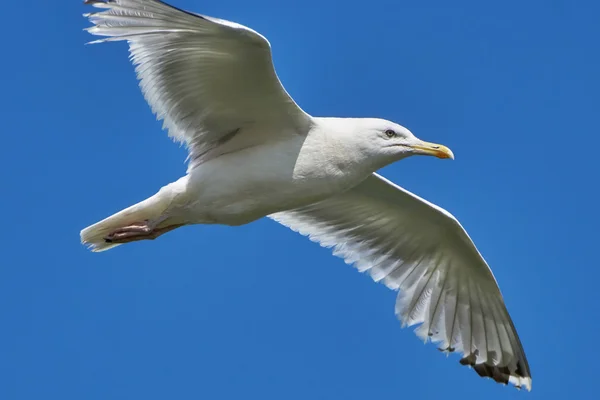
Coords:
pixel 499 374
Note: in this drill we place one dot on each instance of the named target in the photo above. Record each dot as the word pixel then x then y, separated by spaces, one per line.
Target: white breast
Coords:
pixel 240 187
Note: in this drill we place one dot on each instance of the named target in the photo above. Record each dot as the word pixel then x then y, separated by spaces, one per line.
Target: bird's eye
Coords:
pixel 390 133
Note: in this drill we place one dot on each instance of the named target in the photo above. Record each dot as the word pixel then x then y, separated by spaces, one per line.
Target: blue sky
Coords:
pixel 259 311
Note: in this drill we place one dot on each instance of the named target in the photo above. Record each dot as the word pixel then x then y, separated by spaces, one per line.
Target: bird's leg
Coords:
pixel 138 231
pixel 135 231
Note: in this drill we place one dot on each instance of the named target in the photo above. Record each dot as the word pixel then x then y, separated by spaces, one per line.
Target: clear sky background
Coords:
pixel 210 312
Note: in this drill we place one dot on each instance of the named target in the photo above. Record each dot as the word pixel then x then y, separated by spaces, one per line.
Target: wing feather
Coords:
pixel 444 284
pixel 204 77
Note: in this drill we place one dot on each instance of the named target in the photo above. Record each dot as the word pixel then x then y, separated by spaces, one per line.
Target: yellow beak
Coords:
pixel 433 149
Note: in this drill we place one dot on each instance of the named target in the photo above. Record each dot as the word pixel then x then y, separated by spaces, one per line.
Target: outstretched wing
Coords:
pixel 210 80
pixel 420 249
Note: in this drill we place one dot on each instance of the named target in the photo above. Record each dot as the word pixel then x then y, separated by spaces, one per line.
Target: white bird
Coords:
pixel 254 153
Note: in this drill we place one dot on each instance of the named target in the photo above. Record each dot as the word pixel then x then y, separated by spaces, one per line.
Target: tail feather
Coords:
pixel 150 209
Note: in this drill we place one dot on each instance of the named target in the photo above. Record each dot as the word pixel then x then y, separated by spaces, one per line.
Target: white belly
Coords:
pixel 241 187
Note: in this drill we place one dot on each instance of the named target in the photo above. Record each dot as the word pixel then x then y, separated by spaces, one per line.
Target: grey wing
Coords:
pixel 421 250
pixel 207 78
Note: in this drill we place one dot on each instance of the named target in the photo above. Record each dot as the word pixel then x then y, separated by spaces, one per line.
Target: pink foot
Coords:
pixel 137 231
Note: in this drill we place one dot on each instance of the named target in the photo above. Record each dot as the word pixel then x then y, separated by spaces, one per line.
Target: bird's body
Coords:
pixel 292 172
pixel 242 186
pixel 255 153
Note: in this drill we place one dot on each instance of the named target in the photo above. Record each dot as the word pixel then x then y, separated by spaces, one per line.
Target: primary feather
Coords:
pixel 420 249
pixel 203 76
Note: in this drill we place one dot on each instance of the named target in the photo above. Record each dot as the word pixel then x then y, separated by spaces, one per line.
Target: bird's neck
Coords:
pixel 326 152
pixel 345 147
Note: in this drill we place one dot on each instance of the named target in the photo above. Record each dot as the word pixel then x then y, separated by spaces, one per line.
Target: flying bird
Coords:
pixel 253 152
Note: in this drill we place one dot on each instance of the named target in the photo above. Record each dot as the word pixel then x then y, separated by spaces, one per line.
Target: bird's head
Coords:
pixel 393 142
pixel 372 143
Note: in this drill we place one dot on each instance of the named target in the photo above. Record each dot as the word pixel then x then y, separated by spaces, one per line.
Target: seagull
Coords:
pixel 253 153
